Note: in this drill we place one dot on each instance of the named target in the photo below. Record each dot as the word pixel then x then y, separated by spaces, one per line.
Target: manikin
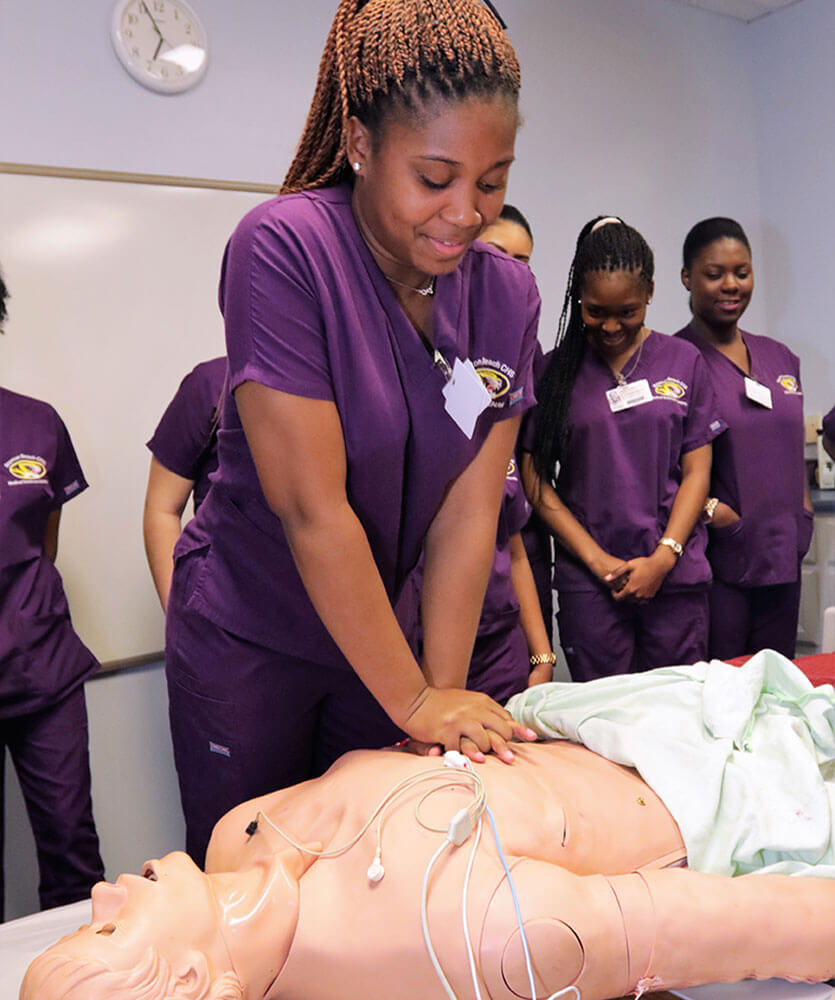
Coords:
pixel 595 859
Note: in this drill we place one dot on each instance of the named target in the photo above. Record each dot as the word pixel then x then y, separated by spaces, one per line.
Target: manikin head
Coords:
pixel 176 932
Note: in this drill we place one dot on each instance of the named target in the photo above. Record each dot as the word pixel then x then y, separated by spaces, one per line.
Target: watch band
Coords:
pixel 543 658
pixel 671 543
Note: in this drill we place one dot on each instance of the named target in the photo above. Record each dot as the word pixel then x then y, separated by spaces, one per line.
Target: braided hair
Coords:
pixel 385 57
pixel 709 231
pixel 613 246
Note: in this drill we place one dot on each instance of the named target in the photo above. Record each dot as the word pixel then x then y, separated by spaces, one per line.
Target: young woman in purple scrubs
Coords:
pixel 43 663
pixel 619 467
pixel 362 326
pixel 759 509
pixel 183 457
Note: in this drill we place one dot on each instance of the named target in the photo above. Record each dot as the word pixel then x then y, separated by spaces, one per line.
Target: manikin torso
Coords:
pixel 557 803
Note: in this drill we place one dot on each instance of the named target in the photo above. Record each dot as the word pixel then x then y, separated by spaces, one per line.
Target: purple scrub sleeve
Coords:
pixel 185 439
pixel 829 424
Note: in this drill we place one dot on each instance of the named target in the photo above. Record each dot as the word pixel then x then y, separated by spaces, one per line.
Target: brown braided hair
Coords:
pixel 385 57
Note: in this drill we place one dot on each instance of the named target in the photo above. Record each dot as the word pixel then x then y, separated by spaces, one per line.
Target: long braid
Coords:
pixel 390 56
pixel 611 247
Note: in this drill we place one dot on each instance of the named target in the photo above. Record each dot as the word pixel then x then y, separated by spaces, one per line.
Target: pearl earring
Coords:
pixel 357 167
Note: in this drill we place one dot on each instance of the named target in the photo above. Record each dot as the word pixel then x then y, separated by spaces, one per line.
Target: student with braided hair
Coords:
pixel 617 464
pixel 363 323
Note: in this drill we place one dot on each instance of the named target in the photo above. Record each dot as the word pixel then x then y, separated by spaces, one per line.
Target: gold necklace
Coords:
pixel 427 291
pixel 621 377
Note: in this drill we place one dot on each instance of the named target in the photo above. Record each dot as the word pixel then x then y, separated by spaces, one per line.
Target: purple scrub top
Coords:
pixel 308 312
pixel 185 440
pixel 41 657
pixel 829 424
pixel 501 606
pixel 623 469
pixel 758 465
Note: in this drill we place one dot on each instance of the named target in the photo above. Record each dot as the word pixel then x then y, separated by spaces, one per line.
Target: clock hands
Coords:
pixel 156 29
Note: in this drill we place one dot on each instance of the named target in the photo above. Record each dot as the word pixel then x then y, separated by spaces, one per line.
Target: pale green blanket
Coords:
pixel 741 756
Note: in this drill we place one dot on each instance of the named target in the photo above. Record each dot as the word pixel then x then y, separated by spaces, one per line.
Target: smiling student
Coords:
pixel 362 325
pixel 759 510
pixel 619 466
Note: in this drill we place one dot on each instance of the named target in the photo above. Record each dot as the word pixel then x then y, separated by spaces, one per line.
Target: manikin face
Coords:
pixel 614 306
pixel 510 238
pixel 720 281
pixel 427 188
pixel 170 907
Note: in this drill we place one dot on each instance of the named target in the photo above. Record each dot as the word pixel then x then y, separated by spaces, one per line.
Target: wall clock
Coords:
pixel 163 44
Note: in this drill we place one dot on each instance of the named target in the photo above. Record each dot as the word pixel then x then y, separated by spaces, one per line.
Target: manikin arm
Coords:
pixel 656 930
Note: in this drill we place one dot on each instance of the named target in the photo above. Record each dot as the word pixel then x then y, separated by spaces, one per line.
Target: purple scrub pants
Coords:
pixel 49 750
pixel 747 619
pixel 246 720
pixel 601 637
pixel 500 664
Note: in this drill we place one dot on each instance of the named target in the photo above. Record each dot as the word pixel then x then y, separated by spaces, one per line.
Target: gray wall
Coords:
pixel 650 109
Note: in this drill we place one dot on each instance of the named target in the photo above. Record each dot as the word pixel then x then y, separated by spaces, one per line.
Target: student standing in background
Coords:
pixel 759 510
pixel 619 466
pixel 43 663
pixel 183 457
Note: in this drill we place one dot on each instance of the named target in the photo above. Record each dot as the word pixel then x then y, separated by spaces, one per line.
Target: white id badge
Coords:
pixel 757 392
pixel 466 396
pixel 624 397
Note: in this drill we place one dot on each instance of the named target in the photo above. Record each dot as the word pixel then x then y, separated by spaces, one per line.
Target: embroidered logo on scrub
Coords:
pixel 497 378
pixel 511 469
pixel 789 385
pixel 671 388
pixel 25 469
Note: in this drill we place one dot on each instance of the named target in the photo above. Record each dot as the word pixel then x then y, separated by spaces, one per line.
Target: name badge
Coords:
pixel 465 396
pixel 758 393
pixel 624 397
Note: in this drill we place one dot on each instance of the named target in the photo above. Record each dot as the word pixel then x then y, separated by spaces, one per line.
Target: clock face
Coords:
pixel 161 43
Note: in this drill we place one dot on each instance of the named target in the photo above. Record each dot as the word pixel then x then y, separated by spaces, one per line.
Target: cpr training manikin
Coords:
pixel 384 878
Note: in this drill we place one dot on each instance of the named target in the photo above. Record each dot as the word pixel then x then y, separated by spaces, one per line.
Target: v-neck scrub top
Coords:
pixel 758 465
pixel 308 312
pixel 623 469
pixel 41 657
pixel 185 440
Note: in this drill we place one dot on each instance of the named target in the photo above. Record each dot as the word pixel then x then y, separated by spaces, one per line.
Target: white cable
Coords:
pixel 424 920
pixel 464 916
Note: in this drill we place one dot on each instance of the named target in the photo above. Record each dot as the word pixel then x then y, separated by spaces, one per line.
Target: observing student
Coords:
pixel 183 457
pixel 619 466
pixel 356 430
pixel 43 663
pixel 759 510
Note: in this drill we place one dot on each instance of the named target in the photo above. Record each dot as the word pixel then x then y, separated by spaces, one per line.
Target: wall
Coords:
pixel 649 109
pixel 794 80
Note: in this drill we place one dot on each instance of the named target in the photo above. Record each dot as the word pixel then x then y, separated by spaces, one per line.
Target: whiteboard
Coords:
pixel 113 288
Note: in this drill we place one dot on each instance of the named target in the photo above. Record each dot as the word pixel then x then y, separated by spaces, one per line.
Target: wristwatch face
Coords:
pixel 161 43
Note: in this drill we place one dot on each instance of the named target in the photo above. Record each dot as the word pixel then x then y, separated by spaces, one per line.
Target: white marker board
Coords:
pixel 113 289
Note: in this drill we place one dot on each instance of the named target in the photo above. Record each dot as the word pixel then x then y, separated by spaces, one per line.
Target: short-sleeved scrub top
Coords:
pixel 41 657
pixel 623 469
pixel 758 465
pixel 185 440
pixel 309 313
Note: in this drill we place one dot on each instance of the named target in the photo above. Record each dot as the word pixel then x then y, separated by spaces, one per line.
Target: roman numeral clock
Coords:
pixel 163 44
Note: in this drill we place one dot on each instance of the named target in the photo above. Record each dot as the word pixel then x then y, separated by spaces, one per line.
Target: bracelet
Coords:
pixel 543 658
pixel 671 543
pixel 709 509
